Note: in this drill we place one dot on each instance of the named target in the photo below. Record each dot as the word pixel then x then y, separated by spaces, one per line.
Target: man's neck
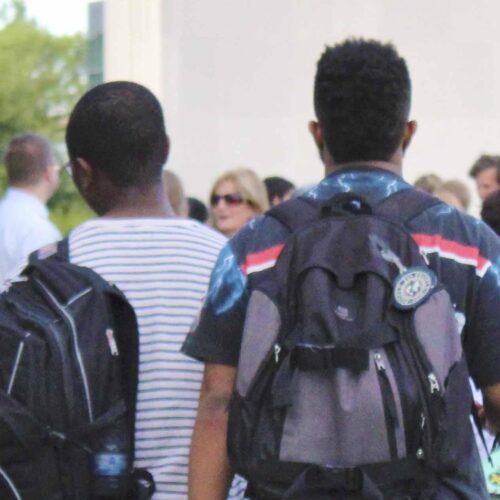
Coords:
pixel 394 164
pixel 385 165
pixel 37 190
pixel 141 203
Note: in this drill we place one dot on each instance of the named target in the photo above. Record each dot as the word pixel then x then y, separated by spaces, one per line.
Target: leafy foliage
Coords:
pixel 43 75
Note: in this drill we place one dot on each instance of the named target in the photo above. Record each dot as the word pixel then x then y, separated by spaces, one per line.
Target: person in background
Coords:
pixel 33 177
pixel 460 190
pixel 454 193
pixel 278 190
pixel 175 193
pixel 449 198
pixel 236 197
pixel 490 212
pixel 197 209
pixel 117 145
pixel 428 183
pixel 486 173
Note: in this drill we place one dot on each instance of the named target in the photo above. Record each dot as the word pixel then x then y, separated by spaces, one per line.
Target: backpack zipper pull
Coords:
pixel 422 421
pixel 277 350
pixel 378 362
pixel 433 383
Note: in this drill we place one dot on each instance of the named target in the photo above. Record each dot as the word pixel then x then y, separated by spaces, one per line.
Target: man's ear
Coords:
pixel 83 175
pixel 167 148
pixel 410 129
pixel 317 134
pixel 51 173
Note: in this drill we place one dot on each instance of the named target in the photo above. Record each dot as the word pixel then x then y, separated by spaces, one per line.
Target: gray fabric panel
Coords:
pixel 400 429
pixel 261 329
pixel 337 418
pixel 437 330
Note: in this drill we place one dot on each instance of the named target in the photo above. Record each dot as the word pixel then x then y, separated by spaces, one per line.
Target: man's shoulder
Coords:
pixel 451 224
pixel 148 228
pixel 263 232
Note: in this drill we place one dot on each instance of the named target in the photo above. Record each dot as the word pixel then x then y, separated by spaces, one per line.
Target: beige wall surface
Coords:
pixel 235 77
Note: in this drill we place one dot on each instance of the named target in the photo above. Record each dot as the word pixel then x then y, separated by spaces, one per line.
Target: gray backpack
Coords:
pixel 352 382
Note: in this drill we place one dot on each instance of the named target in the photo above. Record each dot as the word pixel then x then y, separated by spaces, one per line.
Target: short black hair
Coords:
pixel 118 127
pixel 484 162
pixel 362 95
pixel 197 209
pixel 490 211
pixel 26 159
pixel 277 186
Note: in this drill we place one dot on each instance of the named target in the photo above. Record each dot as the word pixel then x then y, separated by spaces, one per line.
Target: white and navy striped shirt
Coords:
pixel 163 266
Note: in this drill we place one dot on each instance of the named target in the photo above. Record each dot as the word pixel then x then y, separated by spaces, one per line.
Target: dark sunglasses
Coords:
pixel 230 199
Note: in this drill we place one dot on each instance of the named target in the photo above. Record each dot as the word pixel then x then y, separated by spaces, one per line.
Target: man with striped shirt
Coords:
pixel 117 146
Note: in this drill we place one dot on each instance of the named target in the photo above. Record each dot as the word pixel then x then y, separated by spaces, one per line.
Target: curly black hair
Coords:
pixel 118 127
pixel 362 94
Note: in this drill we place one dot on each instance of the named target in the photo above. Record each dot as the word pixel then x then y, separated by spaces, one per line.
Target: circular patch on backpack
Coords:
pixel 413 286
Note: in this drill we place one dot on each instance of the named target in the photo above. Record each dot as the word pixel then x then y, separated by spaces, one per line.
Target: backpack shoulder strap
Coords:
pixel 295 213
pixel 63 249
pixel 406 204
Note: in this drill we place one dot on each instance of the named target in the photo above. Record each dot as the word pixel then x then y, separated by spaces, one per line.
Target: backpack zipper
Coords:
pixel 431 389
pixel 10 484
pixel 389 404
pixel 70 321
pixel 40 323
pixel 19 354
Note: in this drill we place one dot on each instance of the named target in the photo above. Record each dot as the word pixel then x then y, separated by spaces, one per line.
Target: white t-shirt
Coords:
pixel 24 227
pixel 163 266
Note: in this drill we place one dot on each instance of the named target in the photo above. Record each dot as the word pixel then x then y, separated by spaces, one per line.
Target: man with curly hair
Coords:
pixel 362 94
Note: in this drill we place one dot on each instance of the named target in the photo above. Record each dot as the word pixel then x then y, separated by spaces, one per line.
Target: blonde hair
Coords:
pixel 175 193
pixel 248 184
pixel 449 197
pixel 428 183
pixel 460 190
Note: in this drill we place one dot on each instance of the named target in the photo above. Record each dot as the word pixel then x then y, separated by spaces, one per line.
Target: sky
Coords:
pixel 61 17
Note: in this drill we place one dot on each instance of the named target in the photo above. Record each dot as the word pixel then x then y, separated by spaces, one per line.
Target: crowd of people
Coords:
pixel 486 173
pixel 171 255
pixel 236 197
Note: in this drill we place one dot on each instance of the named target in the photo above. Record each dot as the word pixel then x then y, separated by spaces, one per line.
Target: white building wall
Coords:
pixel 235 77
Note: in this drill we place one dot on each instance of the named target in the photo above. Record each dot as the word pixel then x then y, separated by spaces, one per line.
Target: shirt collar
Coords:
pixel 373 183
pixel 24 197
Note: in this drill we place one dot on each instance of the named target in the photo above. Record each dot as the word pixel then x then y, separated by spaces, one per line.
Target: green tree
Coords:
pixel 42 77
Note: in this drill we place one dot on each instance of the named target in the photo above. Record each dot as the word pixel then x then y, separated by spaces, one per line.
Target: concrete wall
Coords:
pixel 235 77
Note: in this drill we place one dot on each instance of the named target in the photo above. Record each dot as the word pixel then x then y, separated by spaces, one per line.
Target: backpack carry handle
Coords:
pixel 346 204
pixel 299 212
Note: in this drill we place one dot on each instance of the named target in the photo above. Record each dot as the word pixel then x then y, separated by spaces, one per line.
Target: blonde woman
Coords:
pixel 236 197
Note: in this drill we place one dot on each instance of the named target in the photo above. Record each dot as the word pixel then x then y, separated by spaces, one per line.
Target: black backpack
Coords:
pixel 68 385
pixel 351 382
